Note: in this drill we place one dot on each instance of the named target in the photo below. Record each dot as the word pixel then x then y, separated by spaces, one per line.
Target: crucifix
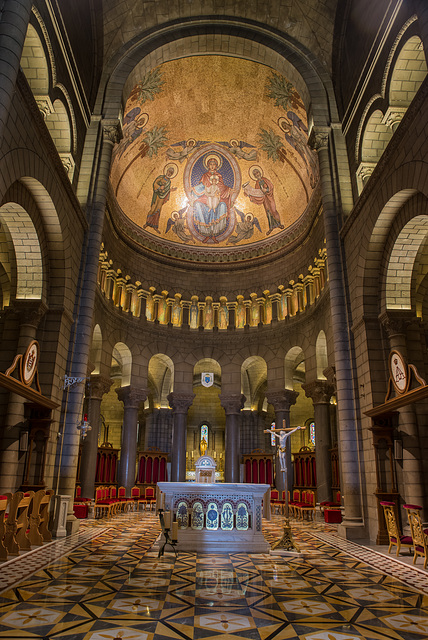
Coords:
pixel 283 434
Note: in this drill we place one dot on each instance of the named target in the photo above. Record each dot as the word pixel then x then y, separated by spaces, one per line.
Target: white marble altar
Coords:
pixel 217 518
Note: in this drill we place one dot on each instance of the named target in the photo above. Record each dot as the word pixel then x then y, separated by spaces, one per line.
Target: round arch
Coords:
pixel 25 269
pixel 314 81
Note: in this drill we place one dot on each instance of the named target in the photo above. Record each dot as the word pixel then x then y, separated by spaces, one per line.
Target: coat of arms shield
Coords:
pixel 207 379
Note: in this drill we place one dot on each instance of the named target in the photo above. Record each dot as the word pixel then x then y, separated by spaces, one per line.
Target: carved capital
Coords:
pixel 232 402
pixel 283 399
pixel 396 323
pixel 319 391
pixel 180 402
pixel 131 396
pixel 330 374
pixel 112 130
pixel 98 386
pixel 29 312
pixel 318 139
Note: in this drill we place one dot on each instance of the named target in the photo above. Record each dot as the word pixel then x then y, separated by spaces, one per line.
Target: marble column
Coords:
pixel 180 403
pixel 15 16
pixel 29 314
pixel 80 341
pixel 131 397
pixel 395 324
pixel 97 387
pixel 282 401
pixel 349 441
pixel 320 391
pixel 232 405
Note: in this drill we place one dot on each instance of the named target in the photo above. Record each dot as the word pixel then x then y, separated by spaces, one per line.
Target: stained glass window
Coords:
pixel 204 433
pixel 272 436
pixel 312 433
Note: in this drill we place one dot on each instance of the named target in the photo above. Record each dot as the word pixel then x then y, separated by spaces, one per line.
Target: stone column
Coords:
pixel 320 392
pixel 15 17
pixel 232 405
pixel 180 403
pixel 29 314
pixel 80 340
pixel 131 398
pixel 349 442
pixel 97 387
pixel 395 325
pixel 282 401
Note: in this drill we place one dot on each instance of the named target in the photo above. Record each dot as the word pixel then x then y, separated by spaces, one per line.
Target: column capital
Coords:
pixel 283 399
pixel 320 391
pixel 180 402
pixel 29 312
pixel 98 386
pixel 131 396
pixel 232 402
pixel 318 138
pixel 111 130
pixel 395 323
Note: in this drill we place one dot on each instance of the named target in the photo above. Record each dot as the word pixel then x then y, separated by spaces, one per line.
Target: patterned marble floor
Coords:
pixel 110 585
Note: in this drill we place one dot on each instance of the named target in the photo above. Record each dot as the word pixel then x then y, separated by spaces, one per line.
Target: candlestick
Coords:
pixel 174 534
pixel 162 501
pixel 167 519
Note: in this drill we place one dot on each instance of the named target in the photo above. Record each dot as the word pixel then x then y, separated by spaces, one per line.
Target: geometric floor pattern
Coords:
pixel 113 587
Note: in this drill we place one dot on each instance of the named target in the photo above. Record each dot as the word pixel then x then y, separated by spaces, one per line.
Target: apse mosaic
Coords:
pixel 214 153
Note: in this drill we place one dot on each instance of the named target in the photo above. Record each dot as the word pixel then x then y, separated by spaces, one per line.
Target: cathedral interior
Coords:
pixel 211 226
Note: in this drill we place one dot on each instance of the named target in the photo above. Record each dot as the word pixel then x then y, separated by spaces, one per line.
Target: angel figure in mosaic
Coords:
pixel 177 223
pixel 245 228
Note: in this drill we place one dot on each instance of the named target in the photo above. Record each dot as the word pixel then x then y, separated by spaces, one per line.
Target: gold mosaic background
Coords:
pixel 242 114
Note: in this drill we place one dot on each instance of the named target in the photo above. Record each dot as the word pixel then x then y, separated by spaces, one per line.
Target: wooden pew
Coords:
pixel 4 501
pixel 17 522
pixel 39 518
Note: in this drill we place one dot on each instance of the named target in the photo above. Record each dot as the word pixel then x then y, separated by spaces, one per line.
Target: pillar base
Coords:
pixel 73 525
pixel 352 529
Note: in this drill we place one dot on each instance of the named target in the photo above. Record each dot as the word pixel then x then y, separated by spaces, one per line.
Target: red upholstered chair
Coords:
pixel 293 503
pixel 136 497
pixel 149 497
pixel 419 534
pixel 274 500
pixel 395 537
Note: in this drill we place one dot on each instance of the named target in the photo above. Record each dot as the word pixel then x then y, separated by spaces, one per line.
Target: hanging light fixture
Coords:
pixel 84 426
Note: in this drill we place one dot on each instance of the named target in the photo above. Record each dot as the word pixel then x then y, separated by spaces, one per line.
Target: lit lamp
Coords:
pixel 84 427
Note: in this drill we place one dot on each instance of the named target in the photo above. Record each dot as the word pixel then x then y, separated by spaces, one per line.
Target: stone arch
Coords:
pixel 401 263
pixel 34 63
pixel 373 255
pixel 54 237
pixel 26 265
pixel 385 111
pixel 321 355
pixel 409 72
pixel 375 138
pixel 59 127
pixel 254 377
pixel 161 379
pixel 293 362
pixel 314 79
pixel 122 363
pixel 95 354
